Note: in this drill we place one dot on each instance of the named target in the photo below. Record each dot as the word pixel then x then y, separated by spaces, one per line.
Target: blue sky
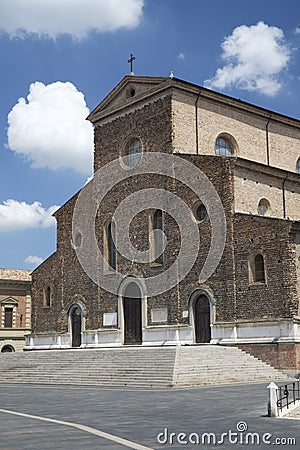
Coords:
pixel 61 57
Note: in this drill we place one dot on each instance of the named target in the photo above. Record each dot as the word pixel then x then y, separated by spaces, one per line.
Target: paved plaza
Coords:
pixel 39 417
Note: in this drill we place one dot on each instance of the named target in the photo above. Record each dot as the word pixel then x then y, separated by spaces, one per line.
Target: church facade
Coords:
pixel 251 157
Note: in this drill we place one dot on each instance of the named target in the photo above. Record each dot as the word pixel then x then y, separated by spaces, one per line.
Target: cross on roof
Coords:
pixel 131 59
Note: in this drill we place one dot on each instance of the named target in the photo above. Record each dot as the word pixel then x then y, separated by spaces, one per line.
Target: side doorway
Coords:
pixel 132 310
pixel 202 316
pixel 76 325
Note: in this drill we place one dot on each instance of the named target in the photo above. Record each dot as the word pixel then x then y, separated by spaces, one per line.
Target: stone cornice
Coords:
pixel 254 166
pixel 160 87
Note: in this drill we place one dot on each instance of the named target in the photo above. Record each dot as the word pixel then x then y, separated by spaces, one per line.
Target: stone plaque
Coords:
pixel 159 315
pixel 110 319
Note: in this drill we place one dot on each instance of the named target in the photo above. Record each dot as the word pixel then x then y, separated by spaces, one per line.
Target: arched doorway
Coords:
pixel 76 321
pixel 202 319
pixel 132 310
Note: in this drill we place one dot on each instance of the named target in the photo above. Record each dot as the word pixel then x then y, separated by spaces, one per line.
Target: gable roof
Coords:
pixel 130 89
pixel 146 86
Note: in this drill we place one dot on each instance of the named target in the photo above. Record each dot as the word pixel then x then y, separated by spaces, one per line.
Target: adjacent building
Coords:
pixel 15 309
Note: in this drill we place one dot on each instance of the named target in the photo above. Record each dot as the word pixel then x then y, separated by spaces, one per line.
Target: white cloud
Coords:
pixel 50 128
pixel 16 215
pixel 255 57
pixel 181 56
pixel 32 259
pixel 75 17
pixel 297 31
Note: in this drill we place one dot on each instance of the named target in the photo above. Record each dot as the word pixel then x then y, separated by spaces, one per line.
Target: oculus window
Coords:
pixel 200 212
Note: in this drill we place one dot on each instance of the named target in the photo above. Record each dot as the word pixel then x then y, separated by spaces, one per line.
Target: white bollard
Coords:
pixel 272 405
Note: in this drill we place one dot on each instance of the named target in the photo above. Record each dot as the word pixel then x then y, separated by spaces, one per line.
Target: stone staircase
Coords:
pixel 128 366
pixel 216 364
pixel 136 366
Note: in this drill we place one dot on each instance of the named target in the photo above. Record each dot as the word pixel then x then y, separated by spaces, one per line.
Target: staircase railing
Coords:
pixel 283 398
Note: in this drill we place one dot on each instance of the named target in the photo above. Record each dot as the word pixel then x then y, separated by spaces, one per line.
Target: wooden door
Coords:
pixel 132 308
pixel 76 327
pixel 202 319
pixel 8 317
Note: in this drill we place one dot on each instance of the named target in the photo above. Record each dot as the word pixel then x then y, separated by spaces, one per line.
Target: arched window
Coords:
pixel 258 269
pixel 223 147
pixel 298 166
pixel 157 224
pixel 263 207
pixel 111 246
pixel 7 349
pixel 133 151
pixel 78 240
pixel 47 297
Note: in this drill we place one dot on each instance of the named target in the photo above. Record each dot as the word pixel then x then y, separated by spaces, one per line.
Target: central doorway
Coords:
pixel 202 319
pixel 76 320
pixel 132 310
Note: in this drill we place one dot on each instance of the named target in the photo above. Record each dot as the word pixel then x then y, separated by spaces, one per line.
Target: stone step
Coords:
pixel 136 366
pixel 234 365
pixel 83 373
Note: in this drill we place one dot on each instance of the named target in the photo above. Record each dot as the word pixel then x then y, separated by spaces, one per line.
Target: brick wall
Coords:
pixel 152 124
pixel 20 296
pixel 277 297
pixel 235 296
pixel 248 128
pixel 253 184
pixel 281 356
pixel 162 129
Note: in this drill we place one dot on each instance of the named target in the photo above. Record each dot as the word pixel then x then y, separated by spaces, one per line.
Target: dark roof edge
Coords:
pixel 211 94
pixel 268 112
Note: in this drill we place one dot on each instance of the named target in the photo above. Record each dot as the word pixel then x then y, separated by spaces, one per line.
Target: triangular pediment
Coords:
pixel 130 89
pixel 9 301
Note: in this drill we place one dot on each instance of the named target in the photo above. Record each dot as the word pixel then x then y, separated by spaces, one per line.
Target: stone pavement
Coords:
pixel 295 414
pixel 36 417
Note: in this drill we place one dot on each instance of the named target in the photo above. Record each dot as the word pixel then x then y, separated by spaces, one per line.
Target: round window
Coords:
pixel 130 92
pixel 133 152
pixel 200 212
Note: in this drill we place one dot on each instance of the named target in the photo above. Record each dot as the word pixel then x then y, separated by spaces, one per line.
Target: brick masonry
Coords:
pixel 280 356
pixel 165 122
